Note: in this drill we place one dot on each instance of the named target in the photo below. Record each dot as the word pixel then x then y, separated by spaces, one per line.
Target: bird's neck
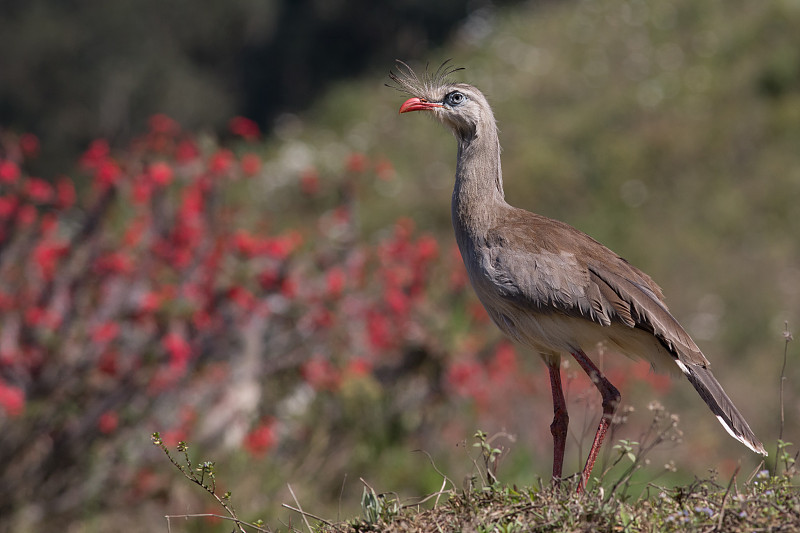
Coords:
pixel 478 193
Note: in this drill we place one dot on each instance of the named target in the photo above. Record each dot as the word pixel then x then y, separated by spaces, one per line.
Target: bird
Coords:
pixel 547 285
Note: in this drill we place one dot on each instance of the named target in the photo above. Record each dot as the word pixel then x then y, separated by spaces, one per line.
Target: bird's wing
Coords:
pixel 548 265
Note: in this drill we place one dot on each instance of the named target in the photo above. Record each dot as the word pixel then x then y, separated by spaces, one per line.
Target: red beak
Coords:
pixel 418 104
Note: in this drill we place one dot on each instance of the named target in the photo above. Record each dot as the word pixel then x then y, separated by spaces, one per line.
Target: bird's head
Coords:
pixel 460 107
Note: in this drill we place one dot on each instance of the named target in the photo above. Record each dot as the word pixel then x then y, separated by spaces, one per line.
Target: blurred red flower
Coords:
pixel 160 173
pixel 105 332
pixel 48 224
pixel 384 169
pixel 9 172
pixel 65 193
pixel 251 164
pixel 106 174
pixel 397 301
pixel 220 161
pixel 644 373
pixel 379 331
pixel 477 312
pixel 108 363
pixel 320 374
pixel 242 298
pixel 6 301
pixel 47 254
pixel 335 282
pixel 245 128
pixel 161 123
pixel 356 162
pixel 467 380
pixel 97 152
pixel 465 377
pixel 427 248
pixel 12 399
pixel 113 263
pixel 108 422
pixel 142 190
pixel 8 204
pixel 211 517
pixel 150 302
pixel 26 215
pixel 134 233
pixel 261 438
pixel 269 277
pixel 246 244
pixel 186 151
pixel 309 181
pixel 358 367
pixel 40 317
pixel 29 144
pixel 178 350
pixel 503 364
pixel 172 437
pixel 281 246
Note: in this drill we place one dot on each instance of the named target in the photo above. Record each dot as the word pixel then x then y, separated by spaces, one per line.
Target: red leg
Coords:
pixel 611 399
pixel 560 419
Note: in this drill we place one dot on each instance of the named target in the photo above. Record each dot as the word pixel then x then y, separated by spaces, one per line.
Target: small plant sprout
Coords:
pixel 625 449
pixel 489 455
pixel 203 475
pixel 376 507
pixel 781 456
pixel 663 428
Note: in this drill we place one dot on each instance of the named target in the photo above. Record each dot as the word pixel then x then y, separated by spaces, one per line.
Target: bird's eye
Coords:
pixel 455 98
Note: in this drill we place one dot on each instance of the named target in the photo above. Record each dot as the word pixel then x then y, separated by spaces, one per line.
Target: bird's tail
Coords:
pixel 728 415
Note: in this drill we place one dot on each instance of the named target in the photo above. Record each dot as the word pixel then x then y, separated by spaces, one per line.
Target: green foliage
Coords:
pixel 489 455
pixel 667 130
pixel 765 504
pixel 378 507
pixel 625 449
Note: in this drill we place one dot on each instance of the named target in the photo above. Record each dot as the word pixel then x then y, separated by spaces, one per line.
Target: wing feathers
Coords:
pixel 620 306
pixel 638 306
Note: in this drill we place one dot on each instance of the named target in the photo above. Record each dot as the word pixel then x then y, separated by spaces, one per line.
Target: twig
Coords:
pixel 787 336
pixel 305 514
pixel 756 471
pixel 212 515
pixel 341 494
pixel 302 513
pixel 445 479
pixel 645 446
pixel 428 497
pixel 725 497
pixel 364 481
pixel 189 473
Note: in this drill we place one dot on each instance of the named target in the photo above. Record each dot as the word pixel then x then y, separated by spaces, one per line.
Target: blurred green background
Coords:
pixel 73 71
pixel 669 131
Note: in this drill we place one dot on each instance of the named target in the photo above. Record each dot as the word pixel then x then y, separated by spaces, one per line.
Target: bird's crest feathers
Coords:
pixel 426 86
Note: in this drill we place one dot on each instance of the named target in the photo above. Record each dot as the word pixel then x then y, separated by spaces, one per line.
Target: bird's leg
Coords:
pixel 611 399
pixel 560 419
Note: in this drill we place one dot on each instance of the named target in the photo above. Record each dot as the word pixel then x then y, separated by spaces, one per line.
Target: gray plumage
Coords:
pixel 544 283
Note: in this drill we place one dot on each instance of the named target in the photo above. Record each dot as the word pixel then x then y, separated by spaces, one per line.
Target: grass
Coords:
pixel 764 501
pixel 766 504
pixel 623 496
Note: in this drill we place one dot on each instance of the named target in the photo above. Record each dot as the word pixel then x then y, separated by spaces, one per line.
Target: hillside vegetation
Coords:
pixel 293 306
